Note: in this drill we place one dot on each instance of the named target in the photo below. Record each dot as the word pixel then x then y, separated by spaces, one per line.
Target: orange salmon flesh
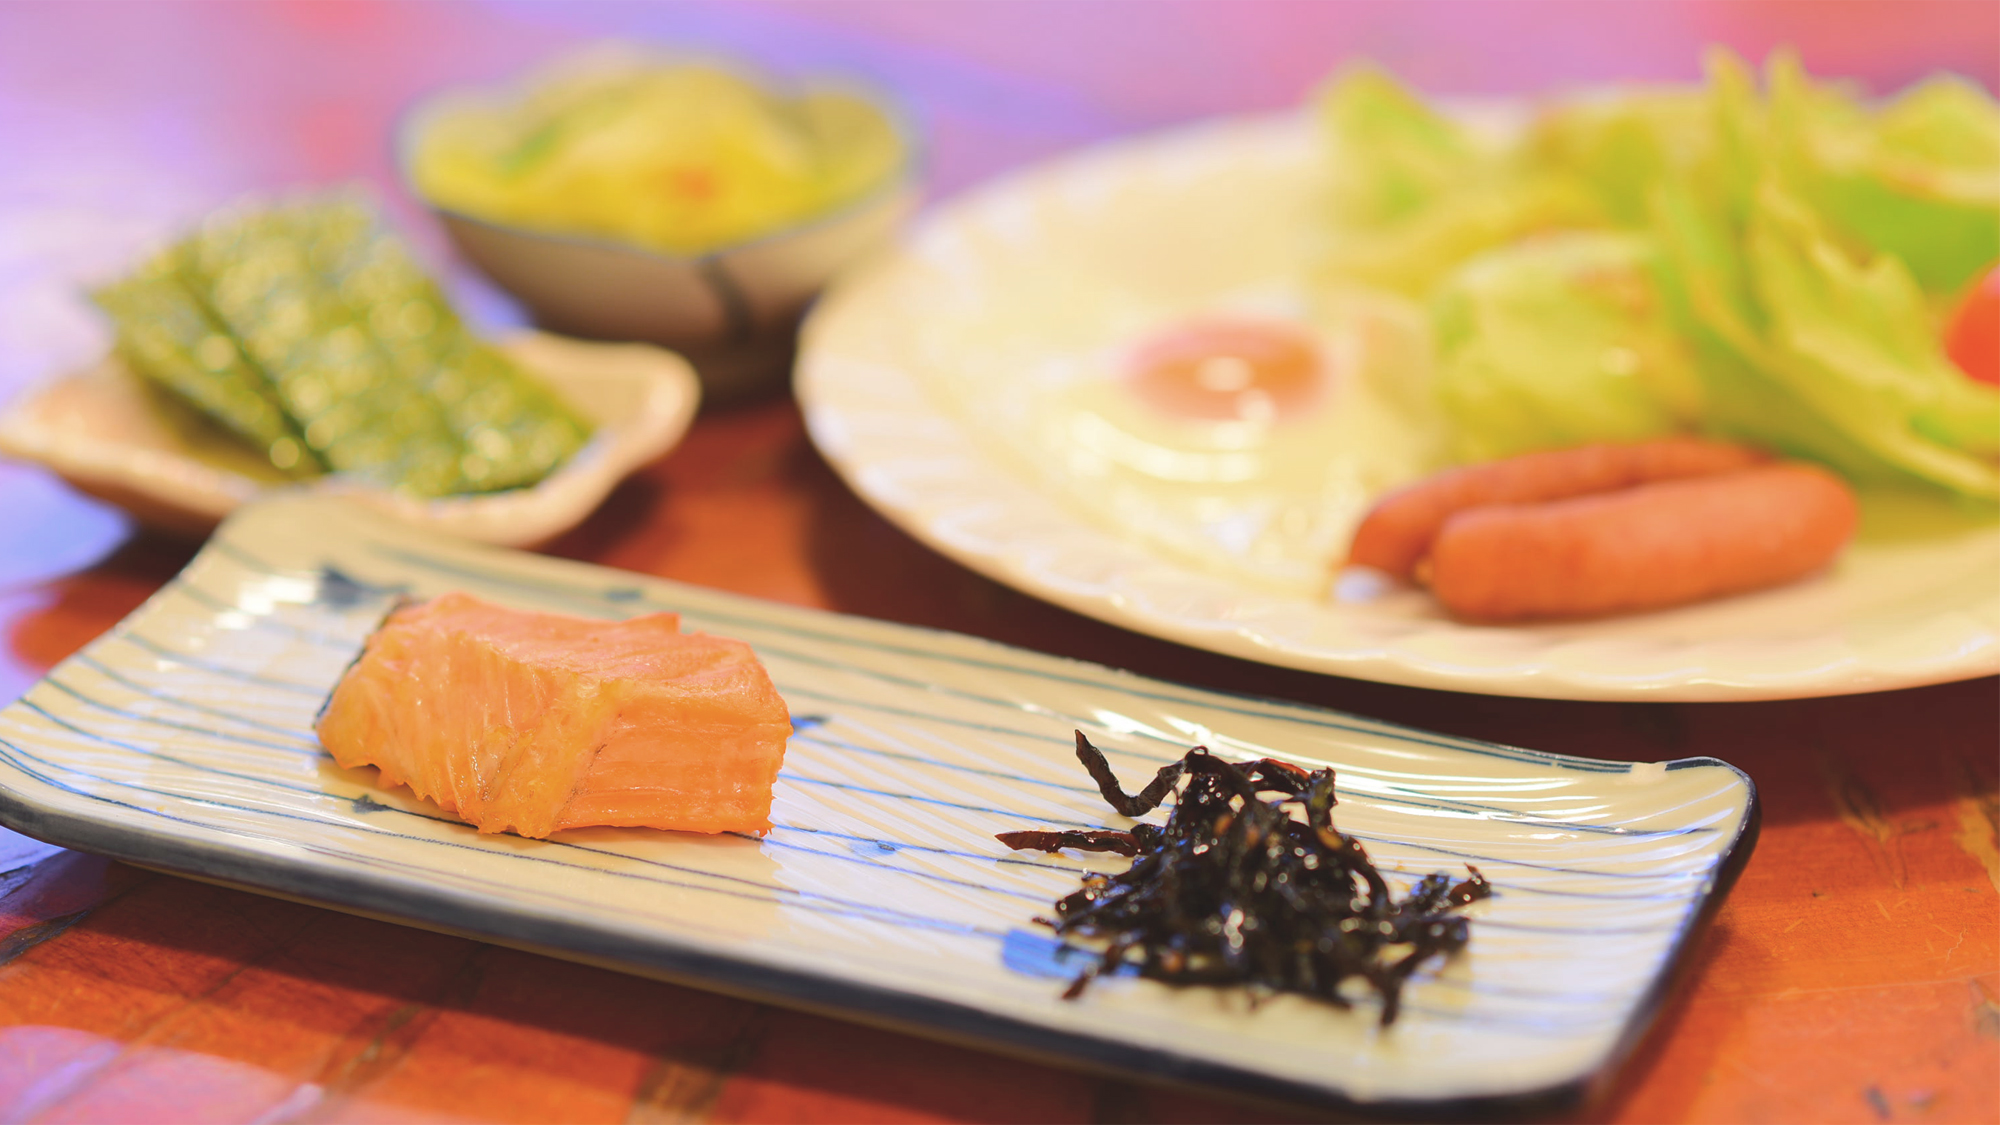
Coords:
pixel 536 722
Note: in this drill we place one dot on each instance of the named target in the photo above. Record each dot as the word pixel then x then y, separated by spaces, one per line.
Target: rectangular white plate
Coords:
pixel 182 740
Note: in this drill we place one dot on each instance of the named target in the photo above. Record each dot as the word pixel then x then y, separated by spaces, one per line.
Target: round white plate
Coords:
pixel 908 374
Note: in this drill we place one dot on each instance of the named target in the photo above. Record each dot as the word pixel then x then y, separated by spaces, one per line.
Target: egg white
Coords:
pixel 1266 500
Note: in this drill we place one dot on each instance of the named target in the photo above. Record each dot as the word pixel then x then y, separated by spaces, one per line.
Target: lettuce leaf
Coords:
pixel 1853 341
pixel 1704 280
pixel 1761 265
pixel 1557 341
pixel 1414 193
pixel 1414 256
pixel 1618 148
pixel 1393 155
pixel 1920 179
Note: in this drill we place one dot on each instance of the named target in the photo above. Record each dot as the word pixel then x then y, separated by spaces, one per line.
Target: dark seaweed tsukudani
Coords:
pixel 1237 889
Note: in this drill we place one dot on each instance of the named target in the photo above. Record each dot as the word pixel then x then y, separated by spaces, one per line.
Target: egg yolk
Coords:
pixel 1228 371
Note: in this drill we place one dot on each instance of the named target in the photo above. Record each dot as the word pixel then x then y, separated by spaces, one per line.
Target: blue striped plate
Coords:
pixel 182 740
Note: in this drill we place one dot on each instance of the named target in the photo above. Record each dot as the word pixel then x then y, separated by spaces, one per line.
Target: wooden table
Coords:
pixel 1854 974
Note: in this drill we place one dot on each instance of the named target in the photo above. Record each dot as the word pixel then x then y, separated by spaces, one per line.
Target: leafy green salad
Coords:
pixel 1771 263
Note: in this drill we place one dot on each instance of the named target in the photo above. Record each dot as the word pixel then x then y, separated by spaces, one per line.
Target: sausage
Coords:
pixel 1646 547
pixel 1398 531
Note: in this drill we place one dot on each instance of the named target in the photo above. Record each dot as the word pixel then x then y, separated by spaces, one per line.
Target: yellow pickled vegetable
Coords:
pixel 682 158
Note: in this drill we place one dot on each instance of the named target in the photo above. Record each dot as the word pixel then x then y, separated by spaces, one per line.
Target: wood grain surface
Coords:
pixel 1853 975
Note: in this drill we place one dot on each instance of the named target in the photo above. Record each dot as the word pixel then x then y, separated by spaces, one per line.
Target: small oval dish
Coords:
pixel 733 310
pixel 107 434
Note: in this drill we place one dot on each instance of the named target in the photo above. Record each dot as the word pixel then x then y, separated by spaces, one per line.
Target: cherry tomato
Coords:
pixel 1973 340
pixel 1225 370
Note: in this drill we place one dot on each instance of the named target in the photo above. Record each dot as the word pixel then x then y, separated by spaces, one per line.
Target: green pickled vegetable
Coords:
pixel 166 334
pixel 274 279
pixel 338 344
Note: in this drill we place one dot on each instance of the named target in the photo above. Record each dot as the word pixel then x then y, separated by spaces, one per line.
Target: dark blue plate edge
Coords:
pixel 899 1011
pixel 1677 965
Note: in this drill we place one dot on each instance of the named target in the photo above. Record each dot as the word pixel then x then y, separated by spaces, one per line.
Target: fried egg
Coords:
pixel 1240 443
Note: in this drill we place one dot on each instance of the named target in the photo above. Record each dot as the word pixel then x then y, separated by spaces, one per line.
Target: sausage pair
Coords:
pixel 1603 529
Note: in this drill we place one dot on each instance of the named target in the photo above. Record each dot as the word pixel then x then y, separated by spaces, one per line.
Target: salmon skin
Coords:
pixel 535 722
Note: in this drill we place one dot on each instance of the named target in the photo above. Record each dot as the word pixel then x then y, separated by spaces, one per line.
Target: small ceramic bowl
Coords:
pixel 733 312
pixel 107 433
